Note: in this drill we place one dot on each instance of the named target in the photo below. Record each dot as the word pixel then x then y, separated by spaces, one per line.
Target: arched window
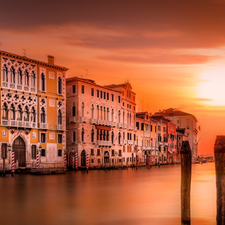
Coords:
pixel 33 115
pixel 60 85
pixel 134 121
pixel 92 111
pixel 123 117
pixel 92 136
pixel 59 117
pixel 112 137
pixel 20 113
pixel 12 75
pixel 20 77
pixel 82 135
pixel 119 117
pixel 112 115
pixel 26 114
pixel 26 78
pixel 33 79
pixel 104 136
pixel 42 115
pixel 119 138
pixel 42 82
pixel 104 114
pixel 74 109
pixel 74 137
pixel 12 112
pixel 5 73
pixel 128 119
pixel 98 137
pixel 107 135
pixel 4 112
pixel 97 112
pixel 101 111
pixel 107 114
pixel 82 109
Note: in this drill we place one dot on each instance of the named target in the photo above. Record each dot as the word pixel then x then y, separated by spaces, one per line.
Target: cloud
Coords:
pixel 203 99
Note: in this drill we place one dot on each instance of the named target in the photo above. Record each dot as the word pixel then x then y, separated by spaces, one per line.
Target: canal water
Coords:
pixel 117 197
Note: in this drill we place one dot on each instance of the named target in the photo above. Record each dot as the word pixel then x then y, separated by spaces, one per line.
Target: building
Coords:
pixel 184 120
pixel 32 111
pixel 100 123
pixel 180 138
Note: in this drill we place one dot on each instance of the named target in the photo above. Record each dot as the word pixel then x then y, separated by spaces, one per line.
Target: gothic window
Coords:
pixel 107 135
pixel 112 115
pixel 74 109
pixel 42 82
pixel 101 116
pixel 119 116
pixel 59 117
pixel 26 78
pixel 33 115
pixel 74 137
pixel 26 114
pixel 119 138
pixel 5 73
pixel 33 79
pixel 12 112
pixel 82 135
pixel 97 112
pixel 59 85
pixel 42 115
pixel 5 112
pixel 12 75
pixel 107 114
pixel 20 77
pixel 92 111
pixel 104 114
pixel 112 137
pixel 92 135
pixel 20 113
pixel 82 109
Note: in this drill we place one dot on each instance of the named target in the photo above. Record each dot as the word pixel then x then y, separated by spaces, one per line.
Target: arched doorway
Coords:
pixel 83 158
pixel 19 149
pixel 106 157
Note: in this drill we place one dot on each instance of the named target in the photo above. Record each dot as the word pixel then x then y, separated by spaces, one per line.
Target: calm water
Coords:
pixel 107 197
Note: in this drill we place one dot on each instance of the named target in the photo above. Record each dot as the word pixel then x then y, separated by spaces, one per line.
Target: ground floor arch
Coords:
pixel 83 158
pixel 106 157
pixel 19 148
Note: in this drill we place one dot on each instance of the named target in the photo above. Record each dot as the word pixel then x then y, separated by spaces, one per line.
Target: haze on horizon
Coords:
pixel 171 51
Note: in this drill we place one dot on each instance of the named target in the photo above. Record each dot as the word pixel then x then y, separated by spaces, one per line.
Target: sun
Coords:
pixel 211 87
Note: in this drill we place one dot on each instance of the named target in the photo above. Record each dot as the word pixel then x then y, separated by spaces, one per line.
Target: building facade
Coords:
pixel 100 123
pixel 32 111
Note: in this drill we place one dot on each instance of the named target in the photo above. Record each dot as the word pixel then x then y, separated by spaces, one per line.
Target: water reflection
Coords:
pixel 107 197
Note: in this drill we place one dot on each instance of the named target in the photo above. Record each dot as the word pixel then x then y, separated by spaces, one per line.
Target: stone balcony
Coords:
pixel 19 123
pixel 104 143
pixel 44 125
pixel 60 127
pixel 72 119
pixel 83 119
pixel 94 121
pixel 120 125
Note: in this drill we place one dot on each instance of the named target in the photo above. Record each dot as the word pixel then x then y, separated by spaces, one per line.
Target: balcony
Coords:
pixel 19 87
pixel 5 122
pixel 104 143
pixel 120 125
pixel 44 125
pixel 108 123
pixel 4 84
pixel 93 121
pixel 124 126
pixel 60 127
pixel 26 88
pixel 83 119
pixel 72 119
pixel 129 142
pixel 124 142
pixel 12 86
pixel 32 89
pixel 113 124
pixel 100 122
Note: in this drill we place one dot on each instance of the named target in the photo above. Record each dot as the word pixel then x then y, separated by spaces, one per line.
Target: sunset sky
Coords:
pixel 171 51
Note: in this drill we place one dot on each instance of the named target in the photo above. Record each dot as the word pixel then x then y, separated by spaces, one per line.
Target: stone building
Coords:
pixel 100 122
pixel 32 111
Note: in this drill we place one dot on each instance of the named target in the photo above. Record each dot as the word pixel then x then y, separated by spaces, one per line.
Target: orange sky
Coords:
pixel 171 51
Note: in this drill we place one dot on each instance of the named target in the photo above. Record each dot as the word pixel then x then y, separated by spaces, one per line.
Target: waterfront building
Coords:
pixel 184 120
pixel 100 122
pixel 181 136
pixel 32 111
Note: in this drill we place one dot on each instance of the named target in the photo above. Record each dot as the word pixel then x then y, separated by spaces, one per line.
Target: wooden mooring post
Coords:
pixel 219 153
pixel 185 183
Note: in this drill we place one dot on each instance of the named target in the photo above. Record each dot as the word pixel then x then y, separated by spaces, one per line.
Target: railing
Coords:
pixel 129 142
pixel 100 122
pixel 83 119
pixel 72 119
pixel 120 125
pixel 113 124
pixel 60 127
pixel 104 143
pixel 32 89
pixel 4 84
pixel 19 123
pixel 26 88
pixel 5 122
pixel 44 125
pixel 125 126
pixel 93 121
pixel 12 86
pixel 19 87
pixel 124 142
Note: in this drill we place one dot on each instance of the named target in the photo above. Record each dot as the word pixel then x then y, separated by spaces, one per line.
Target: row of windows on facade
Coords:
pixel 100 94
pixel 103 135
pixel 99 152
pixel 43 138
pixel 102 113
pixel 146 127
pixel 43 116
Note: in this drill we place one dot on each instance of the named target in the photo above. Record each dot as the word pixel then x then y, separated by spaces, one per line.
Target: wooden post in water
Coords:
pixel 219 152
pixel 185 183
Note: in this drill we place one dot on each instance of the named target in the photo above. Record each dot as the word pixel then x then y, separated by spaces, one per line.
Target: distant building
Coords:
pixel 100 122
pixel 181 136
pixel 186 121
pixel 32 111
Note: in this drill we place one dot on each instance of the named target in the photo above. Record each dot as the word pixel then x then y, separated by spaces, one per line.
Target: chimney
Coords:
pixel 50 59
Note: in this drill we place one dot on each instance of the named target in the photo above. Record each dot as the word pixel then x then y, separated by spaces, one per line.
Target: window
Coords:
pixel 118 99
pixel 137 125
pixel 59 152
pixel 113 153
pixel 19 75
pixel 32 79
pixel 33 152
pixel 104 95
pixel 82 135
pixel 74 109
pixel 60 138
pixel 98 153
pixel 26 114
pixel 43 137
pixel 120 153
pixel 59 85
pixel 179 138
pixel 101 94
pixel 142 126
pixel 20 113
pixel 112 97
pixel 12 112
pixel 92 151
pixel 97 93
pixel 119 139
pixel 5 73
pixel 92 92
pixel 74 137
pixel 42 115
pixel 123 103
pixel 74 89
pixel 26 78
pixel 92 160
pixel 187 126
pixel 107 96
pixel 5 112
pixel 179 144
pixel 82 89
pixel 92 136
pixel 42 82
pixel 43 152
pixel 59 117
pixel 12 75
pixel 4 151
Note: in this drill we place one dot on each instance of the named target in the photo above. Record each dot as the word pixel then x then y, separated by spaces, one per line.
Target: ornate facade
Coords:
pixel 32 111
